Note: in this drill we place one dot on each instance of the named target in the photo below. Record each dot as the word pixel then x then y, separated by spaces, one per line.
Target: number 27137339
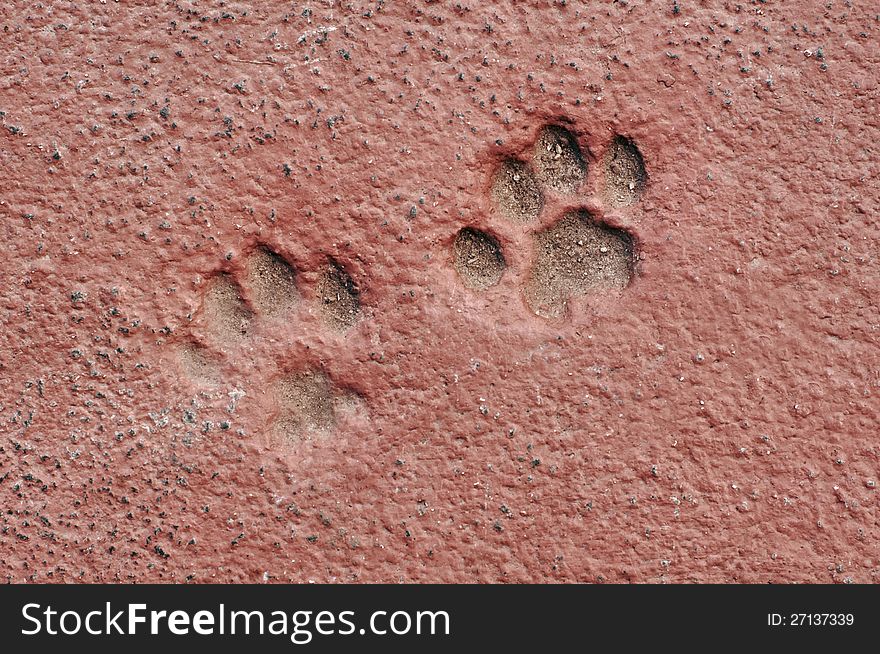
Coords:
pixel 810 619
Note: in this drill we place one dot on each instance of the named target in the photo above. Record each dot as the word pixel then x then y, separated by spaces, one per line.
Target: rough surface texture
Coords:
pixel 716 420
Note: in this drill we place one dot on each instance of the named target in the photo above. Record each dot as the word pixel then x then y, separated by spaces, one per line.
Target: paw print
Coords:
pixel 543 192
pixel 243 305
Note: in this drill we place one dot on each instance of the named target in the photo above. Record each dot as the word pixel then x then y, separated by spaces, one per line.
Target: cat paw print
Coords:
pixel 551 194
pixel 256 306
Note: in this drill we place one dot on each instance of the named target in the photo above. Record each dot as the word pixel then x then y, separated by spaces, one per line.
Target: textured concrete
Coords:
pixel 236 345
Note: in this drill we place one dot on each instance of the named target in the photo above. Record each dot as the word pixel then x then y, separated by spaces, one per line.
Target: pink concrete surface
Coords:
pixel 717 420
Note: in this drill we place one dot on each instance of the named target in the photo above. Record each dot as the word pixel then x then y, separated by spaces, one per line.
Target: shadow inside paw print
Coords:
pixel 227 316
pixel 559 164
pixel 240 307
pixel 517 192
pixel 625 175
pixel 575 252
pixel 573 257
pixel 478 259
pixel 340 299
pixel 272 282
pixel 310 406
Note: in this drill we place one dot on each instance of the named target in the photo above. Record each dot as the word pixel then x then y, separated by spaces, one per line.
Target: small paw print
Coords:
pixel 244 305
pixel 575 251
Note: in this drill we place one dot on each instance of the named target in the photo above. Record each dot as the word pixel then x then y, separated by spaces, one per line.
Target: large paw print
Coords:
pixel 263 296
pixel 575 251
